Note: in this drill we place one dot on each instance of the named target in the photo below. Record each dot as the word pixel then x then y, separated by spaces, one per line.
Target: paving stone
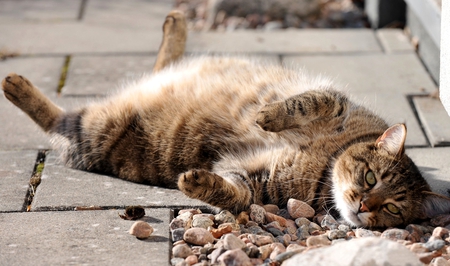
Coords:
pixel 54 11
pixel 433 163
pixel 81 238
pixel 284 42
pixel 394 40
pixel 60 189
pixel 380 81
pixel 16 168
pixel 434 119
pixel 18 130
pixel 93 75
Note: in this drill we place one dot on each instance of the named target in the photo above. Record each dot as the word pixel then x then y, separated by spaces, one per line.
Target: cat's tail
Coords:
pixel 28 98
pixel 174 40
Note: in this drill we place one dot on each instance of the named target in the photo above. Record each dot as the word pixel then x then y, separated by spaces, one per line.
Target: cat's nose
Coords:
pixel 363 207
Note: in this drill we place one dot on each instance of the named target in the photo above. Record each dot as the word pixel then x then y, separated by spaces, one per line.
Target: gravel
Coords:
pixel 266 238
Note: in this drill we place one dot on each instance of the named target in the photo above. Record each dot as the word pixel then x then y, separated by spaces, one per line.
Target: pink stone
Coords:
pixel 198 236
pixel 395 234
pixel 234 257
pixel 270 217
pixel 320 240
pixel 257 214
pixel 191 260
pixel 298 208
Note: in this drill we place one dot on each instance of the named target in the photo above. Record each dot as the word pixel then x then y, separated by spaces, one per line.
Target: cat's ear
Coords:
pixel 393 140
pixel 435 204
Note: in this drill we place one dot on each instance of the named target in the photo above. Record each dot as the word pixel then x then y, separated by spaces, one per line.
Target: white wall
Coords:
pixel 445 56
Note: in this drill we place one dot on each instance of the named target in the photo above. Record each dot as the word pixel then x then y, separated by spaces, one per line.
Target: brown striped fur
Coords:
pixel 233 132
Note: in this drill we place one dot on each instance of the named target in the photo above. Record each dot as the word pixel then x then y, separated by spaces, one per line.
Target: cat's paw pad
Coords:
pixel 16 87
pixel 193 182
pixel 270 118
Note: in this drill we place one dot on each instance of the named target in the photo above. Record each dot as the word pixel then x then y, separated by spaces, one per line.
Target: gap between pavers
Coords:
pixel 16 168
pixel 82 237
pixel 65 188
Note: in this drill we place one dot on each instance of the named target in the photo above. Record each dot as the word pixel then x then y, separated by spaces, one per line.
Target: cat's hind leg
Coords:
pixel 230 193
pixel 23 94
pixel 174 40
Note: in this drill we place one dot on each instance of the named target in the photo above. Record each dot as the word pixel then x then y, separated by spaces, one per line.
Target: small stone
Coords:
pixel 234 227
pixel 176 224
pixel 272 208
pixel 278 248
pixel 328 222
pixel 182 251
pixel 178 234
pixel 440 232
pixel 303 232
pixel 179 242
pixel 231 242
pixel 314 227
pixel 336 234
pixel 265 251
pixel 177 261
pixel 202 221
pixel 427 257
pixel 276 225
pixel 284 213
pixel 217 233
pixel 418 248
pixel 298 208
pixel 252 251
pixel 216 253
pixel 295 247
pixel 274 231
pixel 270 217
pixel 257 214
pixel 286 255
pixel 286 240
pixel 343 227
pixel 198 236
pixel 224 217
pixel 255 230
pixel 433 245
pixel 395 234
pixel 260 240
pixel 191 211
pixel 243 218
pixel 141 230
pixel 290 227
pixel 186 217
pixel 302 221
pixel 320 240
pixel 439 261
pixel 360 232
pixel 191 260
pixel 234 257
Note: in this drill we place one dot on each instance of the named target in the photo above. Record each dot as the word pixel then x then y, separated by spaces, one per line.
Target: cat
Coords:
pixel 234 132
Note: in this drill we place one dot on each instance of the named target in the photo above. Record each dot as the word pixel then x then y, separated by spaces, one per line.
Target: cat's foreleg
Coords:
pixel 301 109
pixel 230 193
pixel 174 40
pixel 23 94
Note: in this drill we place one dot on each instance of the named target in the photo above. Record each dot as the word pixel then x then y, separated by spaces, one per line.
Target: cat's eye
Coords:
pixel 370 178
pixel 392 208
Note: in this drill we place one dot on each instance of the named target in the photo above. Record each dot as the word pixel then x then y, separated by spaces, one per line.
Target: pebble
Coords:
pixel 234 257
pixel 441 220
pixel 217 233
pixel 270 217
pixel 182 251
pixel 191 260
pixel 272 208
pixel 336 234
pixel 298 208
pixel 433 245
pixel 302 221
pixel 198 236
pixel 224 217
pixel 277 249
pixel 395 234
pixel 440 232
pixel 257 214
pixel 260 240
pixel 141 230
pixel 303 232
pixel 231 242
pixel 243 218
pixel 360 232
pixel 320 240
pixel 265 251
pixel 201 221
pixel 216 253
pixel 178 234
pixel 328 222
pixel 439 261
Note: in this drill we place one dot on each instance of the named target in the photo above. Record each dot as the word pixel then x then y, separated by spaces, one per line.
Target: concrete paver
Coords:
pixel 65 188
pixel 82 238
pixel 435 120
pixel 394 41
pixel 43 11
pixel 16 168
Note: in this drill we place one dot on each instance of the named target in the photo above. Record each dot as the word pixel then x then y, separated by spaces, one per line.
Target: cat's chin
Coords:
pixel 352 218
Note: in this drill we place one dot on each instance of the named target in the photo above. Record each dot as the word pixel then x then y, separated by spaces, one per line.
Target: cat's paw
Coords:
pixel 16 88
pixel 195 182
pixel 271 117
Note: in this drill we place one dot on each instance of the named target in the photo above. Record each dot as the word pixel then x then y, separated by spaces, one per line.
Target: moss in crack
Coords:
pixel 35 179
pixel 62 78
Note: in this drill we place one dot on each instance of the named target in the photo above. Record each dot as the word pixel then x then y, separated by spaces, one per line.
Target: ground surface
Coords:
pixel 104 43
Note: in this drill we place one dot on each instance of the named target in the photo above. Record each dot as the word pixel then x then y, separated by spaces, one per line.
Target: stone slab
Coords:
pixel 394 41
pixel 433 163
pixel 43 11
pixel 435 120
pixel 64 188
pixel 285 42
pixel 381 81
pixel 16 168
pixel 17 129
pixel 82 238
pixel 100 75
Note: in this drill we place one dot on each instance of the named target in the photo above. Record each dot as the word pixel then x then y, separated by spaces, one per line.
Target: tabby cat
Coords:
pixel 232 132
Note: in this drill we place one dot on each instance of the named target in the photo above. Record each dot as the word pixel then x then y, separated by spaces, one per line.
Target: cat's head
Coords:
pixel 377 184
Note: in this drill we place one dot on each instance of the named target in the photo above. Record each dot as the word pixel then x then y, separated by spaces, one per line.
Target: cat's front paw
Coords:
pixel 271 117
pixel 195 183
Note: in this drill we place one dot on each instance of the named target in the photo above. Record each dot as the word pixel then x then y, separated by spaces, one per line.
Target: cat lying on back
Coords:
pixel 232 132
